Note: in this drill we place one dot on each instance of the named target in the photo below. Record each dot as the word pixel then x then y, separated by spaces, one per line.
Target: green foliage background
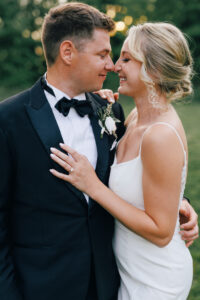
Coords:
pixel 22 62
pixel 21 59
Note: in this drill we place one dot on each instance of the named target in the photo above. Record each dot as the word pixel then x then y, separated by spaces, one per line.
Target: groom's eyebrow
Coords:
pixel 105 51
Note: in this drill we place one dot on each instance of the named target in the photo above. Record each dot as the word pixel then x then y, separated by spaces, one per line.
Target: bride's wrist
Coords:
pixel 95 190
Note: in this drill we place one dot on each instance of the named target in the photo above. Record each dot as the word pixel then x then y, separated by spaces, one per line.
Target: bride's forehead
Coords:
pixel 125 46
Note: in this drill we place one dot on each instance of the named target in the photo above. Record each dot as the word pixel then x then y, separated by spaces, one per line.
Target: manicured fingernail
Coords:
pixel 51 170
pixel 52 155
pixel 53 149
pixel 61 144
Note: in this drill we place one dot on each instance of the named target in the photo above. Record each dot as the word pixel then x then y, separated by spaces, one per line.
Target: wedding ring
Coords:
pixel 71 170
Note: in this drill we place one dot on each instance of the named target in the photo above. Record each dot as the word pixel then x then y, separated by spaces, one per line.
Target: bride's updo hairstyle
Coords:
pixel 165 56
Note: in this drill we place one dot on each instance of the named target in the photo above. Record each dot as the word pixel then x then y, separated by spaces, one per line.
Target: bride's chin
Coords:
pixel 123 91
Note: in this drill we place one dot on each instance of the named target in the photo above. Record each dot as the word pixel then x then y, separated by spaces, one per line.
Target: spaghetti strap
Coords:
pixel 169 125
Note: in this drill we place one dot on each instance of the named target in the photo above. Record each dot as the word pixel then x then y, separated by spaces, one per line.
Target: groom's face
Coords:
pixel 93 62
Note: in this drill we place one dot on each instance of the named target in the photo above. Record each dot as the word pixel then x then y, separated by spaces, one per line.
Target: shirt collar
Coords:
pixel 60 94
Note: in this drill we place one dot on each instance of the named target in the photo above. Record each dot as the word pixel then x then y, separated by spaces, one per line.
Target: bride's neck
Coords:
pixel 147 112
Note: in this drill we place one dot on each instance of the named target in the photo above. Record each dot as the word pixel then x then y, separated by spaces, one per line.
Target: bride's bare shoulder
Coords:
pixel 160 143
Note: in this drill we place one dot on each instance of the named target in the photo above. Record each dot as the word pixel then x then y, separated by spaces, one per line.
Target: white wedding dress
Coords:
pixel 147 271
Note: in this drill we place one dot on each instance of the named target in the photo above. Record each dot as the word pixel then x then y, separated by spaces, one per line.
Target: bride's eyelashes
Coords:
pixel 125 59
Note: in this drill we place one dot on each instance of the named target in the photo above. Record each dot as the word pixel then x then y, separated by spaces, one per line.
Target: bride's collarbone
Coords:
pixel 128 147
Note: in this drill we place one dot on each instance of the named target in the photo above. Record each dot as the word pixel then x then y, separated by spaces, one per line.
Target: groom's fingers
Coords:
pixel 60 175
pixel 190 241
pixel 190 224
pixel 190 234
pixel 191 216
pixel 189 244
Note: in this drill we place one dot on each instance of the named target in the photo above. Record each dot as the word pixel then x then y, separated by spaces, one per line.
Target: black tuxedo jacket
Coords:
pixel 49 235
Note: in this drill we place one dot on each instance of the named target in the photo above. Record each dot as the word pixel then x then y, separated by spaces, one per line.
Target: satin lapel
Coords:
pixel 102 148
pixel 44 123
pixel 103 144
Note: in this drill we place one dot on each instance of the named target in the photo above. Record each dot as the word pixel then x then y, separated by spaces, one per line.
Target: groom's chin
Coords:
pixel 95 88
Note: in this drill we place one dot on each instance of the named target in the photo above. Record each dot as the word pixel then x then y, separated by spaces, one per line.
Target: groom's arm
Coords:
pixel 8 284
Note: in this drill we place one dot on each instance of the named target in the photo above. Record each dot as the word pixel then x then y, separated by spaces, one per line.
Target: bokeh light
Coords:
pixel 120 26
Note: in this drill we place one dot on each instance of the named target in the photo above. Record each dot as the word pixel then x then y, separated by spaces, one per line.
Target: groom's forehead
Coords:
pixel 100 40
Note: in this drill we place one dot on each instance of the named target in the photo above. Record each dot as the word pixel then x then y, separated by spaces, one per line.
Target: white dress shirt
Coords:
pixel 76 131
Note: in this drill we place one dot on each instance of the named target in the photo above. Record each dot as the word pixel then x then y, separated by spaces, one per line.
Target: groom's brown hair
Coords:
pixel 74 21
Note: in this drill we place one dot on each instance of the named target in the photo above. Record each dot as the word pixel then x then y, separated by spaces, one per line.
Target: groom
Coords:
pixel 55 243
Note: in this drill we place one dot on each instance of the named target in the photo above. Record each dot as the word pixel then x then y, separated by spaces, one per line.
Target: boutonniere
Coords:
pixel 107 120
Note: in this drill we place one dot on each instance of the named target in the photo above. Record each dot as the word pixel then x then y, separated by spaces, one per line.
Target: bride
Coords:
pixel 148 176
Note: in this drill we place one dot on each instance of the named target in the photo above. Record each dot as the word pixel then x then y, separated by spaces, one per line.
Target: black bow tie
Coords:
pixel 82 107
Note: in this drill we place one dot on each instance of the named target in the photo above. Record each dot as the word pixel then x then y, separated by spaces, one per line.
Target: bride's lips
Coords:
pixel 122 79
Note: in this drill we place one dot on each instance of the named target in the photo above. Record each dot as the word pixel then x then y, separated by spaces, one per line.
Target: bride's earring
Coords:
pixel 153 96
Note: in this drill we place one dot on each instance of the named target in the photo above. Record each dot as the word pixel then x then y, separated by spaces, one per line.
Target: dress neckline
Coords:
pixel 115 163
pixel 124 162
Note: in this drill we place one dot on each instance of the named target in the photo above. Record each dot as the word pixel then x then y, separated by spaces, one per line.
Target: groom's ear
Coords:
pixel 67 50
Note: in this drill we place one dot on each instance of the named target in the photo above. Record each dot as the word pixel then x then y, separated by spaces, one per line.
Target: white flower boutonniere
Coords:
pixel 107 120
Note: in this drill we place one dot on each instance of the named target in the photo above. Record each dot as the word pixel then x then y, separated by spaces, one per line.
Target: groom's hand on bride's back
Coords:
pixel 189 223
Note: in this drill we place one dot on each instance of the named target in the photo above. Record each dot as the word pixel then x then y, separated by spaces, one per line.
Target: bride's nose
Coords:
pixel 117 66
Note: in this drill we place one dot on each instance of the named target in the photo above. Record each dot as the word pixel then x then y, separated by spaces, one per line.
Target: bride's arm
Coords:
pixel 162 167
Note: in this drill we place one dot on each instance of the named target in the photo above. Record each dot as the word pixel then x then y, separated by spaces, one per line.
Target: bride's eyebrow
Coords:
pixel 125 52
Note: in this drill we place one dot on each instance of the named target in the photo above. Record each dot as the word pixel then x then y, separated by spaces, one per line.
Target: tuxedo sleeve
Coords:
pixel 8 284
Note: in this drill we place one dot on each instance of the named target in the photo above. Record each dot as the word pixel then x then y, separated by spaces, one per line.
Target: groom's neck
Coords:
pixel 62 81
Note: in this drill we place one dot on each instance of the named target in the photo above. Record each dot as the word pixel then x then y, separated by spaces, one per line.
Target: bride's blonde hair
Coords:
pixel 165 56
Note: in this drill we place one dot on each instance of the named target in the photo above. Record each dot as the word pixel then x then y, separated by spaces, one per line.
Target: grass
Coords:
pixel 190 116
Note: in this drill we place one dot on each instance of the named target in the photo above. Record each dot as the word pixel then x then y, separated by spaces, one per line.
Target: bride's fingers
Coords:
pixel 63 156
pixel 116 96
pixel 106 94
pixel 75 155
pixel 109 96
pixel 60 175
pixel 61 162
pixel 100 93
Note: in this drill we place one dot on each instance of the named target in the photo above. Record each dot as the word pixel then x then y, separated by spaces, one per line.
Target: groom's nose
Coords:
pixel 109 66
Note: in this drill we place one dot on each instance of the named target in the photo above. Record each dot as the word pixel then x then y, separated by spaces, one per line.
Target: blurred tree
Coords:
pixel 185 15
pixel 21 55
pixel 21 59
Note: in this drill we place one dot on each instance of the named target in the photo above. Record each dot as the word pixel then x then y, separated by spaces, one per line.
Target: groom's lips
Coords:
pixel 103 76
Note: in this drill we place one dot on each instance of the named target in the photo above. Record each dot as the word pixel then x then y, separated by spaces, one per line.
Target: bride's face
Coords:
pixel 128 69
